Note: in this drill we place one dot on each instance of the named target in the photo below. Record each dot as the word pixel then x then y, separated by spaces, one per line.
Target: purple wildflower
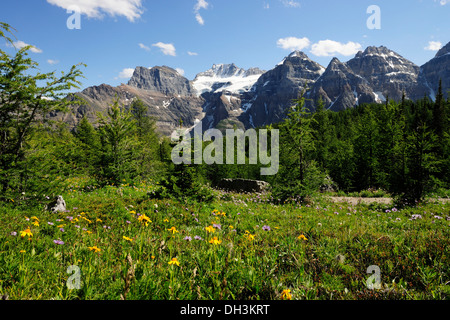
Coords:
pixel 198 238
pixel 218 226
pixel 14 233
pixel 187 238
pixel 59 242
pixel 50 223
pixel 266 228
pixel 61 229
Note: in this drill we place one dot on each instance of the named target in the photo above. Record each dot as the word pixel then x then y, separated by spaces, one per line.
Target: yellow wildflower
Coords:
pixel 22 251
pixel 35 218
pixel 89 221
pixel 98 220
pixel 26 232
pixel 174 261
pixel 173 230
pixel 302 237
pixel 249 236
pixel 94 248
pixel 128 239
pixel 210 229
pixel 36 223
pixel 215 241
pixel 286 295
pixel 166 220
pixel 144 219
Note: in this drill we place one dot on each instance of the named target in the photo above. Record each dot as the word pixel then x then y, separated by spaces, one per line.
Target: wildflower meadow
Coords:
pixel 117 243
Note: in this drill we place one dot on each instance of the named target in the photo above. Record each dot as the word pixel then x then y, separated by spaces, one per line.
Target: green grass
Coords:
pixel 342 242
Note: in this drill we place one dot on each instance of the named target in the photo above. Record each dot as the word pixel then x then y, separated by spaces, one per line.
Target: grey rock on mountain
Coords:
pixel 274 91
pixel 161 79
pixel 388 73
pixel 169 97
pixel 437 69
pixel 340 88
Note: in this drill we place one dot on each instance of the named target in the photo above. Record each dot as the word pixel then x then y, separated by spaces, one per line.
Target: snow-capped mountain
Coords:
pixel 227 96
pixel 226 77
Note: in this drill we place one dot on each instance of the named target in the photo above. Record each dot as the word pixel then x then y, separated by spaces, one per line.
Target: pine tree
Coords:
pixel 118 137
pixel 298 175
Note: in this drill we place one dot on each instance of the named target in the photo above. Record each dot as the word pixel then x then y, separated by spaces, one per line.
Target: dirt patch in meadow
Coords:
pixel 356 200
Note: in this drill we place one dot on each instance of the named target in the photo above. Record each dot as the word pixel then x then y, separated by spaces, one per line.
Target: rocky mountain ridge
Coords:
pixel 227 96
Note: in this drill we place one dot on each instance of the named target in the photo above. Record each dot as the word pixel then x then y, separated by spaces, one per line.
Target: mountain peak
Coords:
pixel 299 54
pixel 443 51
pixel 161 79
pixel 223 71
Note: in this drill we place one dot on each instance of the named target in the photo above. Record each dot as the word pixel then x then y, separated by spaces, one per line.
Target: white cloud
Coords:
pixel 327 48
pixel 434 46
pixel 180 71
pixel 293 43
pixel 167 48
pixel 143 46
pixel 444 2
pixel 199 19
pixel 131 9
pixel 266 5
pixel 125 73
pixel 192 53
pixel 201 4
pixel 21 44
pixel 52 62
pixel 291 3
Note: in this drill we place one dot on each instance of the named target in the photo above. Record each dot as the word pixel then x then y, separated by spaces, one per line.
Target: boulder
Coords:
pixel 243 185
pixel 58 205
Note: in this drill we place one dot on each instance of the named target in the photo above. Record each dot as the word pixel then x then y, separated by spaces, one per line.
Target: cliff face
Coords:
pixel 161 79
pixel 437 69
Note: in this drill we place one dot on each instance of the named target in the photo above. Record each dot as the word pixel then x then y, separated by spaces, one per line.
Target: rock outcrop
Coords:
pixel 243 185
pixel 58 205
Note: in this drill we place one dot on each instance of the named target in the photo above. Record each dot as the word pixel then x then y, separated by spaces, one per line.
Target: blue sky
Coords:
pixel 192 35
